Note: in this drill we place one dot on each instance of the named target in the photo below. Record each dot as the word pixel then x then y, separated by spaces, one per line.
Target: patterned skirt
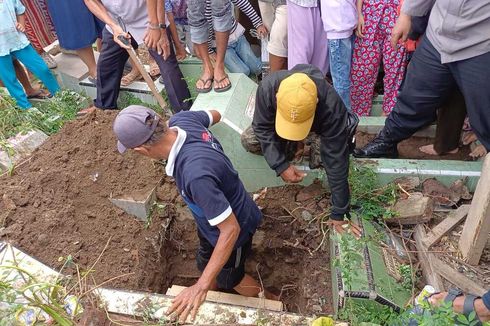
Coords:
pixel 39 26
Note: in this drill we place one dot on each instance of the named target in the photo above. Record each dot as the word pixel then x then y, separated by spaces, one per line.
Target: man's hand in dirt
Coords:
pixel 401 29
pixel 119 33
pixel 346 226
pixel 188 301
pixel 292 175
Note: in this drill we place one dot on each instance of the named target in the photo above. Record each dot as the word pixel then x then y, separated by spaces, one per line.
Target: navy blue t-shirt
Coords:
pixel 207 180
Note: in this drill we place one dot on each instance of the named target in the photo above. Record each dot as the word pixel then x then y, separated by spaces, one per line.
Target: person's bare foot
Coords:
pixel 86 111
pixel 481 311
pixel 478 152
pixel 469 137
pixel 429 149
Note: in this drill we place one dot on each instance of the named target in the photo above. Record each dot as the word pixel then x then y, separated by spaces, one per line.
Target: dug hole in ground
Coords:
pixel 57 204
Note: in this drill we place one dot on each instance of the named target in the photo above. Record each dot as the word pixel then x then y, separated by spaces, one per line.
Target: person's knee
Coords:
pixel 222 15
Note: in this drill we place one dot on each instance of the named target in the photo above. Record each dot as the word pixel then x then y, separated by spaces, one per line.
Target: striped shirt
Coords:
pixel 244 6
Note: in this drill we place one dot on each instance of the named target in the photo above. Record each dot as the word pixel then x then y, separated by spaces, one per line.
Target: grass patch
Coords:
pixel 374 201
pixel 48 116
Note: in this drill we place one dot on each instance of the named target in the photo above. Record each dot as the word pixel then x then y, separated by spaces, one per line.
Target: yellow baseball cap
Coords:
pixel 297 98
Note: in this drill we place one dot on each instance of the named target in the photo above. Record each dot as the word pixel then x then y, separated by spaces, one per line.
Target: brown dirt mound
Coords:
pixel 61 204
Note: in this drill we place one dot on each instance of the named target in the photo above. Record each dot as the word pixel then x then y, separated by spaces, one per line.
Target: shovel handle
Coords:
pixel 124 40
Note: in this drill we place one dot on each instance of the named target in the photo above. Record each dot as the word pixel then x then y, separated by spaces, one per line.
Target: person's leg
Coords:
pixel 175 85
pixel 427 84
pixel 340 63
pixel 450 120
pixel 199 35
pixel 33 61
pixel 394 61
pixel 473 78
pixel 188 41
pixel 366 60
pixel 88 58
pixel 319 56
pixel 278 39
pixel 22 76
pixel 9 79
pixel 233 62
pixel 110 69
pixel 223 23
pixel 301 29
pixel 247 56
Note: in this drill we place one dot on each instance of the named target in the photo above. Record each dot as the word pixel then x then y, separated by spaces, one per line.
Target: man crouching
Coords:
pixel 225 214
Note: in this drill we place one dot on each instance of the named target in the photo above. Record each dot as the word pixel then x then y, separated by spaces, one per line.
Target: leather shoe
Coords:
pixel 377 148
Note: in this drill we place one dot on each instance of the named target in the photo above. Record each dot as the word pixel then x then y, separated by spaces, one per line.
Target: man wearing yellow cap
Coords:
pixel 291 104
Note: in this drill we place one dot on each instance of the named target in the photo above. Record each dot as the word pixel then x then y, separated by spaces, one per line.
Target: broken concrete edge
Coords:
pixel 142 209
pixel 445 171
pixel 135 303
pixel 138 304
pixel 415 209
pixel 20 146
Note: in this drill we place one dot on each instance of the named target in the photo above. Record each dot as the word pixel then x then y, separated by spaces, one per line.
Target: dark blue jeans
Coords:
pixel 110 68
pixel 427 85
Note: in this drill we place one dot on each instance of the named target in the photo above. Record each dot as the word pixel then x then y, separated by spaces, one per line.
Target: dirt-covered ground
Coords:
pixel 57 205
pixel 409 148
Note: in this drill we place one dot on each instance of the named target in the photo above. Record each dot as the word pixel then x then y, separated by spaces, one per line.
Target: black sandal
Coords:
pixel 468 305
pixel 223 89
pixel 205 89
pixel 39 95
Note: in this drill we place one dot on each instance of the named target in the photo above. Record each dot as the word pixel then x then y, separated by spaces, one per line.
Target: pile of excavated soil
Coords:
pixel 409 148
pixel 57 205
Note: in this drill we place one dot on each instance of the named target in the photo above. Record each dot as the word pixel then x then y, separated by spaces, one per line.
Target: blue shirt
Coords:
pixel 206 179
pixel 10 38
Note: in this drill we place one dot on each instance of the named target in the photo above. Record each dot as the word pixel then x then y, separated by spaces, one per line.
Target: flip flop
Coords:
pixel 222 89
pixel 39 95
pixel 468 305
pixel 206 89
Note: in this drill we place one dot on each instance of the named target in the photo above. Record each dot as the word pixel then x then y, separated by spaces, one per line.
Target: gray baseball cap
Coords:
pixel 131 128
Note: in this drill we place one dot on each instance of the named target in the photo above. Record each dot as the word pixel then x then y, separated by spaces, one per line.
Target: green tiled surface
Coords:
pixel 371 279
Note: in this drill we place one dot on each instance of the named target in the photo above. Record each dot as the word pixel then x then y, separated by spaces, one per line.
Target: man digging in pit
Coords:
pixel 226 216
pixel 289 105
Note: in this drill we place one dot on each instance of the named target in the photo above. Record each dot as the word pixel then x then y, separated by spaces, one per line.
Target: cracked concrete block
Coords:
pixel 138 206
pixel 414 210
pixel 21 145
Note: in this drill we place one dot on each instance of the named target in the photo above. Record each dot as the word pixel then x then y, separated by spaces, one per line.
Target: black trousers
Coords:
pixel 110 68
pixel 429 83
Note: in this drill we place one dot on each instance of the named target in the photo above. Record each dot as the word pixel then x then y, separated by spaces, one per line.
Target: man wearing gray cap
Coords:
pixel 225 214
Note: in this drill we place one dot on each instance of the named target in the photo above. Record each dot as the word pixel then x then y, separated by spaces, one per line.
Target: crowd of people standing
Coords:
pixel 350 41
